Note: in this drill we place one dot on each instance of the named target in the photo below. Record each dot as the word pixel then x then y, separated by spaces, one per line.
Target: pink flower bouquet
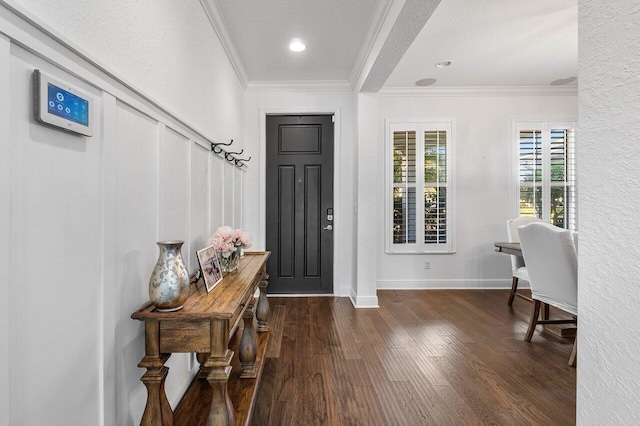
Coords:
pixel 228 242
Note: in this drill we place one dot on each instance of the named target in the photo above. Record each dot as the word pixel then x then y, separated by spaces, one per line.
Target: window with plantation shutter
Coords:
pixel 418 213
pixel 547 172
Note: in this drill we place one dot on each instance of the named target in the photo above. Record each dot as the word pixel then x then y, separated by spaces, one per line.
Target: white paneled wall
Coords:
pixel 174 184
pixel 5 228
pixel 228 197
pixel 200 201
pixel 54 258
pixel 136 222
pixel 80 219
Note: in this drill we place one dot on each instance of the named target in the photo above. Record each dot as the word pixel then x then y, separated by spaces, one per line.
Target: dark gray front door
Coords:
pixel 300 203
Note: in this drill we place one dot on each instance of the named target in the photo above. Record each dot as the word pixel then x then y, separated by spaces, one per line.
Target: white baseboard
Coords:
pixel 446 284
pixel 363 302
pixel 181 390
pixel 301 295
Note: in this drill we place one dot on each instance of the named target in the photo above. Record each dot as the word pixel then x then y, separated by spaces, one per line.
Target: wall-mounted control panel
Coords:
pixel 58 104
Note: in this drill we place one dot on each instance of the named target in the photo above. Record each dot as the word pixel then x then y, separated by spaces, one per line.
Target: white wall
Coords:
pixel 165 48
pixel 55 235
pixel 608 174
pixel 273 102
pixel 484 179
pixel 363 292
pixel 80 216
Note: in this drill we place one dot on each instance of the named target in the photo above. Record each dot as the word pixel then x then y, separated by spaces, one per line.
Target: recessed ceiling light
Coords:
pixel 425 82
pixel 296 45
pixel 443 64
pixel 563 81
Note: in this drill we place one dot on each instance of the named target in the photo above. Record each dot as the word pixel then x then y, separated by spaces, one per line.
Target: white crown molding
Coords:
pixel 480 91
pixel 299 86
pixel 220 27
pixel 366 47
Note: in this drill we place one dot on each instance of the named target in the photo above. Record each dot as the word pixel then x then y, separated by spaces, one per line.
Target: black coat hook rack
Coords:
pixel 240 161
pixel 216 150
pixel 229 155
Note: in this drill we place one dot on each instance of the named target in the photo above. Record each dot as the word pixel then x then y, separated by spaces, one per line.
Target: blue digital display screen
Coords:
pixel 67 105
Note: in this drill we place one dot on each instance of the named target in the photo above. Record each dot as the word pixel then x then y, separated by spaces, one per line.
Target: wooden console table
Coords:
pixel 205 325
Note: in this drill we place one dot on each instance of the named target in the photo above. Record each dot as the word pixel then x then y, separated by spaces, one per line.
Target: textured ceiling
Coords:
pixel 490 42
pixel 494 43
pixel 333 31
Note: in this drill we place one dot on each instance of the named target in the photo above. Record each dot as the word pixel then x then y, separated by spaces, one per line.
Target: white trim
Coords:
pixel 420 126
pixel 337 182
pixel 5 232
pixel 181 389
pixel 299 86
pixel 353 296
pixel 301 295
pixel 219 25
pixel 544 124
pixel 108 253
pixel 384 18
pixel 515 160
pixel 374 33
pixel 446 284
pixel 363 302
pixel 366 302
pixel 480 91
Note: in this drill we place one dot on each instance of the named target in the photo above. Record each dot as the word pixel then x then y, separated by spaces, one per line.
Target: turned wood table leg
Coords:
pixel 202 358
pixel 247 349
pixel 262 311
pixel 157 412
pixel 219 365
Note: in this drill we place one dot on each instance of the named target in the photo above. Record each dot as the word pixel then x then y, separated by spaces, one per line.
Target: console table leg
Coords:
pixel 221 411
pixel 262 311
pixel 157 412
pixel 202 358
pixel 247 349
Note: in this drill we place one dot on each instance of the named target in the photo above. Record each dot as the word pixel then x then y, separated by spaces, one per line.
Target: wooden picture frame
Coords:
pixel 209 260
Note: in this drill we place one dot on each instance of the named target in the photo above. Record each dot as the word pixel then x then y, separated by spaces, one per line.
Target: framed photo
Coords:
pixel 209 261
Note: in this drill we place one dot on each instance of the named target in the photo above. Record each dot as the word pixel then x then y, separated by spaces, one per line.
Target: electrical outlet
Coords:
pixel 427 264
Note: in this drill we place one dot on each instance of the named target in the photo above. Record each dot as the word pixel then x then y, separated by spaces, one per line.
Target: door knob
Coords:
pixel 328 228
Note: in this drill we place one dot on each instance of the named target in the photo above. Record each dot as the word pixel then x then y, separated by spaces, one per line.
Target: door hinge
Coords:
pixel 333 118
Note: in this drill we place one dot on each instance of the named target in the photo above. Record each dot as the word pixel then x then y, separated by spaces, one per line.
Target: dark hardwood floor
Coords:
pixel 453 357
pixel 429 357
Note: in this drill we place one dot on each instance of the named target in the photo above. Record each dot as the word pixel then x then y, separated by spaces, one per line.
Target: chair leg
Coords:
pixel 545 311
pixel 514 287
pixel 535 312
pixel 574 353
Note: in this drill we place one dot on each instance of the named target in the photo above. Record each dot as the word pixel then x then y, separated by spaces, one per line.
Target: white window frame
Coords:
pixel 545 125
pixel 419 126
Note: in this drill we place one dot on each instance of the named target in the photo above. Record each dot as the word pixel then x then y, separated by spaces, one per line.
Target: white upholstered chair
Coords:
pixel 552 264
pixel 517 263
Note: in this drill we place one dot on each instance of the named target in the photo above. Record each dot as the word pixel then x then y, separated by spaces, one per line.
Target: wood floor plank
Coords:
pixel 276 322
pixel 458 409
pixel 333 395
pixel 343 322
pixel 263 405
pixel 403 405
pixel 311 405
pixel 284 387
